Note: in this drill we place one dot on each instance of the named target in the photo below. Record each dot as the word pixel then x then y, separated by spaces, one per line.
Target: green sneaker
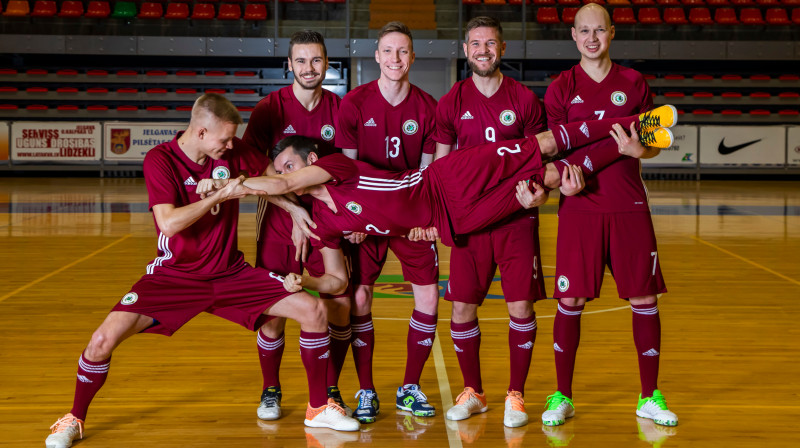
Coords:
pixel 557 410
pixel 655 408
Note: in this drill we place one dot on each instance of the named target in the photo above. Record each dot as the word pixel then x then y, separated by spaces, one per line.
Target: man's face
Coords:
pixel 484 51
pixel 592 33
pixel 217 138
pixel 288 161
pixel 308 64
pixel 394 56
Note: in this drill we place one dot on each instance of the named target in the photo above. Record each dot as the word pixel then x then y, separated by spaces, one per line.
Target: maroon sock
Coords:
pixel 315 351
pixel 591 160
pixel 521 336
pixel 91 376
pixel 566 336
pixel 467 343
pixel 363 345
pixel 340 341
pixel 270 354
pixel 421 333
pixel 580 133
pixel 647 338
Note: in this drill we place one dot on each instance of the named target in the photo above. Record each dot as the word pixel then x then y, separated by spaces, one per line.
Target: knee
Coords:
pixel 274 327
pixel 573 301
pixel 520 310
pixel 317 314
pixel 463 312
pixel 643 300
pixel 100 346
pixel 362 300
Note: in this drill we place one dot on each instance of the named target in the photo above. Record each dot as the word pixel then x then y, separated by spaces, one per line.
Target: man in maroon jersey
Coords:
pixel 302 108
pixel 607 224
pixel 490 107
pixel 199 267
pixel 389 123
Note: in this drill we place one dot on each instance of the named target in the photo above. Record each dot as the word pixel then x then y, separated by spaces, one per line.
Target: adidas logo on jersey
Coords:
pixel 457 348
pixel 651 352
pixel 359 343
pixel 426 342
pixel 577 100
pixel 527 346
pixel 557 348
pixel 467 116
pixel 587 162
pixel 289 130
pixel 83 379
pixel 371 123
pixel 325 355
pixel 585 129
pixel 190 181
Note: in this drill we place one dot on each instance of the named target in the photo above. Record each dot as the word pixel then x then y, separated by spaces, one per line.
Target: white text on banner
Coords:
pixel 130 141
pixel 682 153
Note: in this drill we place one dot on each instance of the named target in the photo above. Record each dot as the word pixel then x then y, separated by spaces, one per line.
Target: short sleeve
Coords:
pixel 159 177
pixel 347 124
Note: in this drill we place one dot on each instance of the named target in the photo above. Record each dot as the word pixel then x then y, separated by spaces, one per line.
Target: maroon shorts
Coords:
pixel 514 248
pixel 279 257
pixel 626 242
pixel 419 260
pixel 241 296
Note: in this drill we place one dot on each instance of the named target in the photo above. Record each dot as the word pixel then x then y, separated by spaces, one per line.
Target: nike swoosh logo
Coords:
pixel 725 150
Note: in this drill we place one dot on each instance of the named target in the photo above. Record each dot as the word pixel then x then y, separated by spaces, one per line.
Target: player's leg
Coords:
pixel 420 264
pixel 270 344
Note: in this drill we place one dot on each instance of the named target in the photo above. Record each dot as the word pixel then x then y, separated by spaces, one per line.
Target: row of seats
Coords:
pixel 125 90
pixel 710 3
pixel 677 16
pixel 125 73
pixel 100 9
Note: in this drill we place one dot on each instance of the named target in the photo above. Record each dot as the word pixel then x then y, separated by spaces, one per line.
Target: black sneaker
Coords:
pixel 333 392
pixel 270 407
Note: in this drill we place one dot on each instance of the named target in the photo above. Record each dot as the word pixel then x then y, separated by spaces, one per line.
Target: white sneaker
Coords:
pixel 64 431
pixel 331 416
pixel 468 402
pixel 328 438
pixel 655 408
pixel 557 410
pixel 270 407
pixel 514 415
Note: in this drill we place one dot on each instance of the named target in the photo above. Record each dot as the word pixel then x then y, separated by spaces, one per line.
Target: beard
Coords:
pixel 482 73
pixel 303 83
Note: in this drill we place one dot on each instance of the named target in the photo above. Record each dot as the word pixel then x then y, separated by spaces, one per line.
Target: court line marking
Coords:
pixel 444 390
pixel 505 318
pixel 63 268
pixel 725 251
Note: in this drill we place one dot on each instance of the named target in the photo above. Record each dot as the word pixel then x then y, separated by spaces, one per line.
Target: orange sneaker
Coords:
pixel 468 402
pixel 64 431
pixel 331 416
pixel 514 415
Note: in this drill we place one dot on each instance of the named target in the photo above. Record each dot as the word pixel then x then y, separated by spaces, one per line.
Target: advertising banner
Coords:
pixel 682 153
pixel 3 143
pixel 793 146
pixel 130 141
pixel 55 142
pixel 742 145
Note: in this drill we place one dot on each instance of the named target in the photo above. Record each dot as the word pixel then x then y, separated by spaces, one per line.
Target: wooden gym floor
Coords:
pixel 730 252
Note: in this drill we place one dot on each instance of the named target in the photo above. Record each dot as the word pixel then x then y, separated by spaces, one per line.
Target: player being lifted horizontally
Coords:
pixel 302 108
pixel 607 224
pixel 199 267
pixel 389 123
pixel 489 107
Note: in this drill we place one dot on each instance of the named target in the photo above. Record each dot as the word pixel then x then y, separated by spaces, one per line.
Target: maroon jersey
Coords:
pixel 208 247
pixel 280 115
pixel 574 96
pixel 386 136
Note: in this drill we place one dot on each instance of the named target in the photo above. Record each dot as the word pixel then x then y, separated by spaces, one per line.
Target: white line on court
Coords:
pixel 444 390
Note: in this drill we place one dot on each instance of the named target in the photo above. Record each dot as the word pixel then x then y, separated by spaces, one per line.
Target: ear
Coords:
pixel 613 32
pixel 465 50
pixel 201 133
pixel 503 49
pixel 413 57
pixel 312 158
pixel 376 57
pixel 290 63
pixel 574 34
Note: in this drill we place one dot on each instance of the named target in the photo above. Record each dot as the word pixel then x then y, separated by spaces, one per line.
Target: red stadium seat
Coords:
pixel 177 11
pixel 674 77
pixel 769 2
pixel 334 1
pixel 36 107
pixel 157 108
pixel 649 16
pixel 8 107
pixel 741 3
pixel 675 16
pixel 487 2
pixel 66 107
pixel 17 8
pixel 725 16
pixel 618 2
pixel 789 95
pixel 796 16
pixel 127 108
pixel 44 8
pixel 244 91
pixel 568 15
pixel 668 2
pixel 789 77
pixel 8 89
pixel 569 2
pixel 702 112
pixel 96 72
pixel 751 16
pixel 71 8
pixel 244 73
pixel 535 2
pixel 7 71
pixel 777 16
pixel 186 72
pixel 229 11
pixel 700 16
pixel 731 77
pixel 754 95
pixel 219 91
pixel 127 73
pixel 718 3
pixel 151 10
pixel 215 72
pixel 731 95
pixel 156 72
pixel 156 91
pixel 760 78
pixel 203 11
pixel 703 95
pixel 254 12
pixel 98 10
pixel 471 2
pixel 643 2
pixel 97 90
pixel 547 15
pixel 674 94
pixel 731 112
pixel 790 2
pixel 183 108
pixel 760 112
pixel 67 90
pixel 36 90
pixel 623 16
pixel 97 107
pixel 791 112
pixel 186 91
pixel 66 72
pixel 599 2
pixel 702 77
pixel 694 2
pixel 127 90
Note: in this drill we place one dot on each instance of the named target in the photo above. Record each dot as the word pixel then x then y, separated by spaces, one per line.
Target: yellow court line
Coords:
pixel 789 279
pixel 63 268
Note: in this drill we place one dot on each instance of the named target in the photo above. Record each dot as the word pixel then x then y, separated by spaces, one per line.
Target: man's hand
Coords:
pixel 572 181
pixel 207 187
pixel 420 234
pixel 223 189
pixel 356 237
pixel 300 242
pixel 530 199
pixel 628 145
pixel 293 282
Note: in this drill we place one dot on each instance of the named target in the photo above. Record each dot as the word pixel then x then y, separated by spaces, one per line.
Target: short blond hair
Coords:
pixel 214 105
pixel 396 27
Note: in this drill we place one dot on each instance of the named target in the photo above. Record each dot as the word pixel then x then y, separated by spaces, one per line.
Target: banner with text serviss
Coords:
pixel 130 141
pixel 69 142
pixel 742 145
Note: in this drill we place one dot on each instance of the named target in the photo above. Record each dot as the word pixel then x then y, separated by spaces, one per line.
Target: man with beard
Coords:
pixel 303 108
pixel 389 123
pixel 490 107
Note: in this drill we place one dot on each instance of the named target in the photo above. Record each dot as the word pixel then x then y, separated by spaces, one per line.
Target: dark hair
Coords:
pixel 307 37
pixel 302 146
pixel 396 27
pixel 484 21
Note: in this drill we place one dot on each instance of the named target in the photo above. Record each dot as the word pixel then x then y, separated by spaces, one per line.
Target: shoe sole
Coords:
pixel 312 424
pixel 268 418
pixel 430 413
pixel 368 419
pixel 658 422
pixel 674 118
pixel 479 411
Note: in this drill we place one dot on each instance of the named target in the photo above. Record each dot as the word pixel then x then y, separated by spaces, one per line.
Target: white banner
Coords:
pixel 3 143
pixel 129 142
pixel 793 146
pixel 682 153
pixel 742 145
pixel 55 141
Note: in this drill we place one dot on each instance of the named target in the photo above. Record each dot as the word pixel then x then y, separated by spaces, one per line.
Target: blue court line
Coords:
pixel 141 207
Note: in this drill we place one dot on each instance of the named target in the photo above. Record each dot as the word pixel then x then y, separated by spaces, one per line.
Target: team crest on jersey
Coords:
pixel 221 172
pixel 563 283
pixel 129 298
pixel 508 117
pixel 410 127
pixel 354 207
pixel 619 98
pixel 328 132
